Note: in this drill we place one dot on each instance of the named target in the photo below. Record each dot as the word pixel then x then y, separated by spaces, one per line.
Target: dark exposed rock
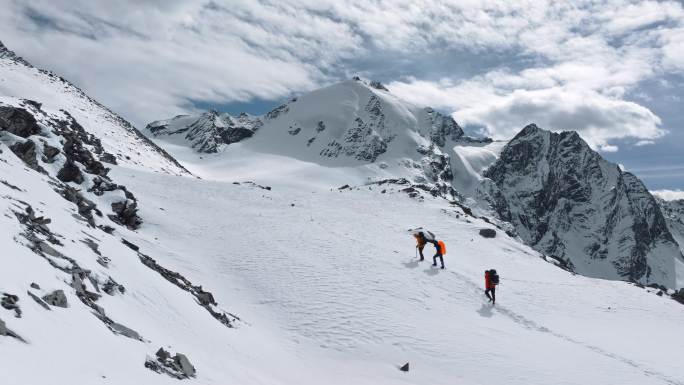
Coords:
pixel 125 331
pixel 10 185
pixel 56 298
pixel 38 300
pixel 565 200
pixel 488 233
pixel 35 286
pixel 679 296
pixel 108 158
pixel 177 366
pixel 10 302
pixel 26 151
pixel 111 287
pixel 85 206
pixel 70 173
pixel 18 121
pixel 130 245
pixel 126 214
pixel 49 153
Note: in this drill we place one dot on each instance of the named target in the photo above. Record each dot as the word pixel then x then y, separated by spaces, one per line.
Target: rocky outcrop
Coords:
pixel 18 121
pixel 565 200
pixel 204 298
pixel 178 366
pixel 10 302
pixel 56 298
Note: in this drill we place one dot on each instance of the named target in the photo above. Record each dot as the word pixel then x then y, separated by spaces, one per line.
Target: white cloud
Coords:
pixel 563 65
pixel 644 143
pixel 669 195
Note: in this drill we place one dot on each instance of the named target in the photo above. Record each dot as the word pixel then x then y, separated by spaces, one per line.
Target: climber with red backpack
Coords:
pixel 491 280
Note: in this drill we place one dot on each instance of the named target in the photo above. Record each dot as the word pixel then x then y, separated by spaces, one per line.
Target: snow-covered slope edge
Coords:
pixel 567 201
pixel 122 143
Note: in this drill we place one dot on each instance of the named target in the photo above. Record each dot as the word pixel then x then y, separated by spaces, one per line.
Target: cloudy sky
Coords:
pixel 613 70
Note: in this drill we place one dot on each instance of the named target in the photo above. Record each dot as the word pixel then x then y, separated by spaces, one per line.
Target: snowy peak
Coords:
pixel 567 201
pixel 354 119
pixel 209 131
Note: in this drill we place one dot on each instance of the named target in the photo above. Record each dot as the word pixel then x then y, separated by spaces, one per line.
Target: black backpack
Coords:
pixel 493 277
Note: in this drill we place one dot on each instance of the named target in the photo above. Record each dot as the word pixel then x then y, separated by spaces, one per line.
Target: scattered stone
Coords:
pixel 177 366
pixel 56 298
pixel 131 245
pixel 9 302
pixel 38 300
pixel 126 214
pixel 108 158
pixel 125 331
pixel 488 233
pixel 405 368
pixel 111 287
pixel 8 184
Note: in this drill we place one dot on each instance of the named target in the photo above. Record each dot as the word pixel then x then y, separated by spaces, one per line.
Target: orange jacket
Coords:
pixel 420 241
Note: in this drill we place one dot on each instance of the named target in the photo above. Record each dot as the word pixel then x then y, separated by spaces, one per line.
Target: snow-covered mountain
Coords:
pixel 126 269
pixel 209 131
pixel 567 201
pixel 354 123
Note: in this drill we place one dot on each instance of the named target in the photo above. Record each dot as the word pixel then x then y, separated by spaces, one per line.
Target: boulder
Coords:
pixel 56 298
pixel 49 153
pixel 183 365
pixel 488 233
pixel 70 173
pixel 35 286
pixel 26 151
pixel 125 331
pixel 18 121
pixel 38 300
pixel 405 368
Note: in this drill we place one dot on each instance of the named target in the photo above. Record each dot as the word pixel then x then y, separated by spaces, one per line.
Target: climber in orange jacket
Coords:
pixel 440 250
pixel 421 241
